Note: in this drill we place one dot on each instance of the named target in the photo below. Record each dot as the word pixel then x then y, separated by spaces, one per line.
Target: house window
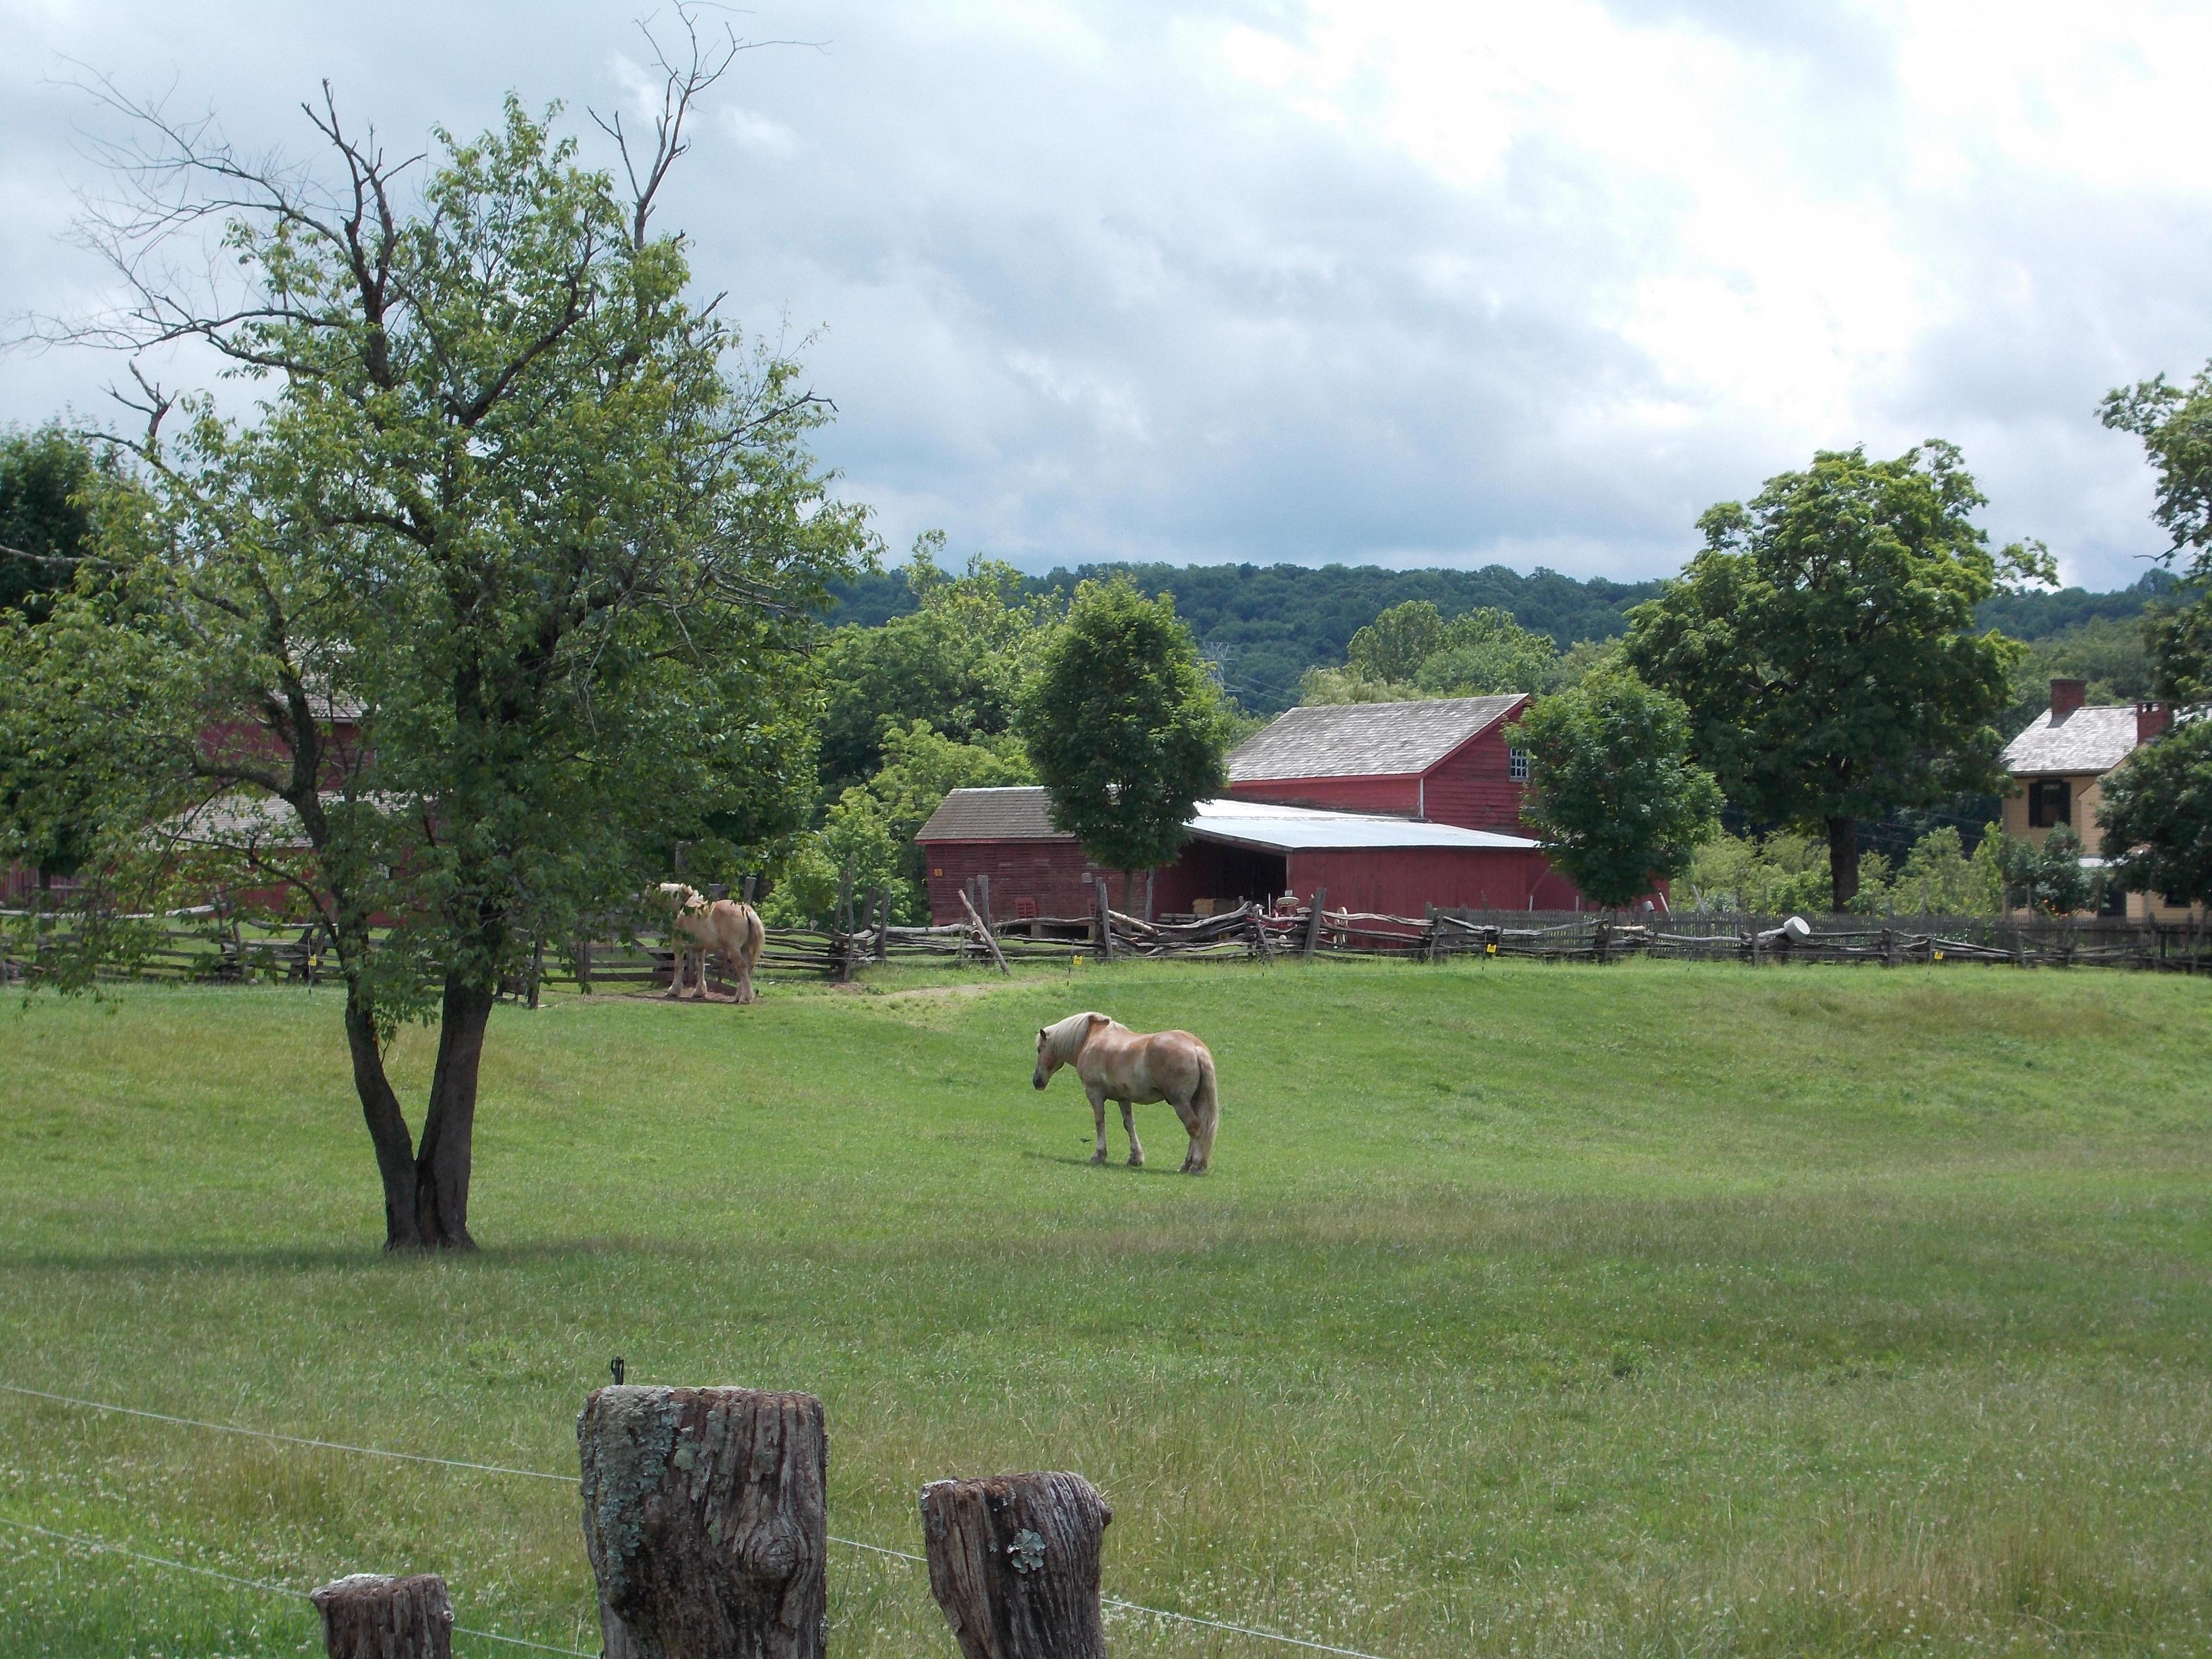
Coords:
pixel 2050 800
pixel 1516 765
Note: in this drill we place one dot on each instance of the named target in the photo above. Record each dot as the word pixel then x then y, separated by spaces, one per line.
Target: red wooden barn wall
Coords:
pixel 1053 875
pixel 1401 881
pixel 1394 796
pixel 1473 787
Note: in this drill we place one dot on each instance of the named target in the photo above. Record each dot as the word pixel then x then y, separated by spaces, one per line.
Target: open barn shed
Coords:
pixel 1238 850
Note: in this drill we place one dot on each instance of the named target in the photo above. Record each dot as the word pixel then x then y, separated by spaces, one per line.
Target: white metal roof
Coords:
pixel 1308 830
pixel 1021 813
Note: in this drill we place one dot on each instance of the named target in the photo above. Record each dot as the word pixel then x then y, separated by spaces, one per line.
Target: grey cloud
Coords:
pixel 1086 298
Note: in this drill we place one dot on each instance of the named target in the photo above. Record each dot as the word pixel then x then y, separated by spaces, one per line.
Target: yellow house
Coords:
pixel 2059 765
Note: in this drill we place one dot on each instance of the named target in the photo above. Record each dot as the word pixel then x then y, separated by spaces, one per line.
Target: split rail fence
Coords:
pixel 203 946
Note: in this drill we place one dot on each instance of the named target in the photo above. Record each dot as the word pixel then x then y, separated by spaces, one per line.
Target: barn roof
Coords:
pixel 1365 739
pixel 1279 828
pixel 1022 814
pixel 2083 740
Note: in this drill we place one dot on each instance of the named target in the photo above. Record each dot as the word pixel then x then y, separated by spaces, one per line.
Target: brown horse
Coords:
pixel 700 925
pixel 1133 1067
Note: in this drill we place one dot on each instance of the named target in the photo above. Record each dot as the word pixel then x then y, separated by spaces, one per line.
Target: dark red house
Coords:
pixel 1238 850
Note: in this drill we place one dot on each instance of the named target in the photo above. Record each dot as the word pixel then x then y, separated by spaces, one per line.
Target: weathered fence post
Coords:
pixel 1013 1560
pixel 706 1522
pixel 370 1616
pixel 1313 924
pixel 883 909
pixel 1105 922
pixel 840 930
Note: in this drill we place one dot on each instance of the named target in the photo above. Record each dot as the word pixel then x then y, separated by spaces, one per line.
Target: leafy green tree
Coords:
pixel 1613 792
pixel 2156 816
pixel 2047 875
pixel 957 661
pixel 1125 727
pixel 501 590
pixel 47 477
pixel 1391 649
pixel 1486 652
pixel 1823 643
pixel 2175 425
pixel 870 828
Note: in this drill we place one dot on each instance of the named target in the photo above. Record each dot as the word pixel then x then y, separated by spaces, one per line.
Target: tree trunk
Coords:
pixel 706 1521
pixel 368 1616
pixel 1013 1560
pixel 387 1126
pixel 1843 862
pixel 441 1161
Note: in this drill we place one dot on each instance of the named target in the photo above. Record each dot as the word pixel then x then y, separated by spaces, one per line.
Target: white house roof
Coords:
pixel 1366 739
pixel 2087 740
pixel 1023 813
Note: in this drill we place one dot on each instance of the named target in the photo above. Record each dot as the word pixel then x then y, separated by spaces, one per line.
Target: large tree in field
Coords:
pixel 1612 792
pixel 500 591
pixel 2175 425
pixel 1125 727
pixel 1823 644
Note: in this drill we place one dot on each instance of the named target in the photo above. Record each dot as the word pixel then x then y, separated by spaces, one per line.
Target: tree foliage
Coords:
pixel 957 660
pixel 1124 727
pixel 2156 816
pixel 1823 643
pixel 1613 792
pixel 500 592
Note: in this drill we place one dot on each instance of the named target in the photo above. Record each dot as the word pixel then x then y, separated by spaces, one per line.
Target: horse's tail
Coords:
pixel 1205 1106
pixel 756 937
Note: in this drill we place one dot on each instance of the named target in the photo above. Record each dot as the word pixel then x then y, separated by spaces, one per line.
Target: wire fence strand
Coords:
pixel 104 1547
pixel 570 1480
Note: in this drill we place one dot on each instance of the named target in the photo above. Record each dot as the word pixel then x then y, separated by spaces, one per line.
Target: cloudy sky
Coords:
pixel 1399 284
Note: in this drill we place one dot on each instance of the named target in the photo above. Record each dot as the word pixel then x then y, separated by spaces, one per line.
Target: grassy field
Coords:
pixel 1651 1309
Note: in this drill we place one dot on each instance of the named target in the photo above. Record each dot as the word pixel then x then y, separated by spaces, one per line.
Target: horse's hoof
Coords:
pixel 1097 1157
pixel 1136 1163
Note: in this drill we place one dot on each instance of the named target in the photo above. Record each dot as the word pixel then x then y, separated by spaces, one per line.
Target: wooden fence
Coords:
pixel 203 946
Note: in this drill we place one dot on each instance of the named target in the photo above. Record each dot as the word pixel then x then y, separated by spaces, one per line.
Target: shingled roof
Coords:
pixel 1365 739
pixel 2082 740
pixel 1019 812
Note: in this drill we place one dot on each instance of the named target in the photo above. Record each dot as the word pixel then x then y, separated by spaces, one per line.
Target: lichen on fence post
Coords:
pixel 706 1521
pixel 373 1616
pixel 1014 1562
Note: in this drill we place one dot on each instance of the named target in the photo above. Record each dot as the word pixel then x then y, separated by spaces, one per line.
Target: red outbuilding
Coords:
pixel 1237 850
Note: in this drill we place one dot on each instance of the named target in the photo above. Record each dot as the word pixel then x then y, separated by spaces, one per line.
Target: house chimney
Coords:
pixel 2066 696
pixel 2152 719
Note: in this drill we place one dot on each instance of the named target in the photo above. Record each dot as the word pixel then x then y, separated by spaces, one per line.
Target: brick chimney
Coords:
pixel 2066 696
pixel 2152 719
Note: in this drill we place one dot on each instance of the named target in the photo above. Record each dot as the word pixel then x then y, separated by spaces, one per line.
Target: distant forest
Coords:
pixel 1267 624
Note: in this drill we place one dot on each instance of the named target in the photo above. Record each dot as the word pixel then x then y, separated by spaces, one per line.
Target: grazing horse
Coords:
pixel 701 925
pixel 1134 1067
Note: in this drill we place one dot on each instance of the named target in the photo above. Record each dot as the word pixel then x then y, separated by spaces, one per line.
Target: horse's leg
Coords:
pixel 676 966
pixel 1099 1117
pixel 1129 1123
pixel 1187 1116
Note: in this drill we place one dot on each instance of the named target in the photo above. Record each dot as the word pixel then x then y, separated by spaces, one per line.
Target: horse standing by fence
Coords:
pixel 1136 1068
pixel 700 925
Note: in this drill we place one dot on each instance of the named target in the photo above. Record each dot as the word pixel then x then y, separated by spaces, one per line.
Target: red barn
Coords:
pixel 1443 761
pixel 1238 850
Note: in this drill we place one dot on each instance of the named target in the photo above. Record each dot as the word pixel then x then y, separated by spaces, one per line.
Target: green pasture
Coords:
pixel 1653 1310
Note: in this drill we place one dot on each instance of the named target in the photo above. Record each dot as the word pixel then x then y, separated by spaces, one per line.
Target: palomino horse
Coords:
pixel 1133 1067
pixel 700 925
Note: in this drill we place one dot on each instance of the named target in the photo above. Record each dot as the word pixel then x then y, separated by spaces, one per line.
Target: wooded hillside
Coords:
pixel 1269 624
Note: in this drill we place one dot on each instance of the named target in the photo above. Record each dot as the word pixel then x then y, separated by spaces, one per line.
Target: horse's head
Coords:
pixel 673 896
pixel 1058 1044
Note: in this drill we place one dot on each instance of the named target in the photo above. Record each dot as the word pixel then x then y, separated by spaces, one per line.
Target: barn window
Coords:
pixel 1516 765
pixel 1024 909
pixel 2050 801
